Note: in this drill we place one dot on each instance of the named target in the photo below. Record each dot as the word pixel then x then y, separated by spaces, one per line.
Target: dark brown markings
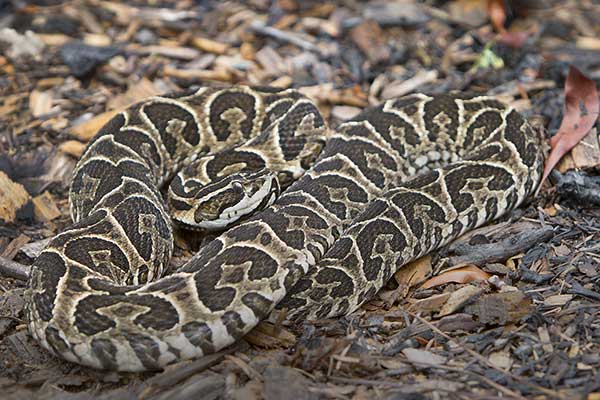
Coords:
pixel 488 122
pixel 226 158
pixel 415 207
pixel 291 142
pixel 106 352
pixel 216 299
pixel 58 344
pixel 244 232
pixel 435 123
pixel 258 304
pixel 388 125
pixel 146 349
pixel 167 285
pixel 189 189
pixel 318 187
pixel 233 323
pixel 200 335
pixel 459 178
pixel 514 123
pixel 276 112
pixel 226 101
pixel 375 239
pixel 369 158
pixel 141 220
pixel 141 144
pixel 100 255
pixel 341 284
pixel 98 177
pixel 162 114
pixel 161 315
pixel 47 271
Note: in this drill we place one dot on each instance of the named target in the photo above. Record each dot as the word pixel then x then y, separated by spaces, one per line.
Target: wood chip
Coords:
pixel 369 38
pixel 86 130
pixel 200 75
pixel 45 208
pixel 11 250
pixel 210 46
pixel 72 147
pixel 13 196
pixel 501 359
pixel 423 357
pixel 431 303
pixel 545 339
pixel 344 113
pixel 585 154
pixel 144 88
pixel 403 88
pixel 459 298
pixel 40 103
pixel 558 300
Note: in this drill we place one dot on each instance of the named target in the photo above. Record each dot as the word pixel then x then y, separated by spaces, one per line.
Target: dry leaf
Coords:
pixel 465 274
pixel 576 123
pixel 413 273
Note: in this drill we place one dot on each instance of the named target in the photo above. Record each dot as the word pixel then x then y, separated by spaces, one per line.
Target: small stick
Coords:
pixel 13 269
pixel 283 36
pixel 497 252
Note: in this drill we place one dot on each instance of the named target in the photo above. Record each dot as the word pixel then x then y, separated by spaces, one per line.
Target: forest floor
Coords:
pixel 519 316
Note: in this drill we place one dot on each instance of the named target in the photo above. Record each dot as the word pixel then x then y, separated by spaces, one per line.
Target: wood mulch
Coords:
pixel 530 328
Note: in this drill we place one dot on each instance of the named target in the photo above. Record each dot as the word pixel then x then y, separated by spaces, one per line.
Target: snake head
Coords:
pixel 222 203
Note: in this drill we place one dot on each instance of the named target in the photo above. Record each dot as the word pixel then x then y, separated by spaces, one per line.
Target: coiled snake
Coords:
pixel 392 184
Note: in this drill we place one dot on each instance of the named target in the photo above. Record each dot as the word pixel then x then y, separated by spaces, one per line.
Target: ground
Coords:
pixel 517 317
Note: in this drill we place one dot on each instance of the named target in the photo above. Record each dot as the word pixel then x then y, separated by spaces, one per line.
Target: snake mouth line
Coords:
pixel 232 214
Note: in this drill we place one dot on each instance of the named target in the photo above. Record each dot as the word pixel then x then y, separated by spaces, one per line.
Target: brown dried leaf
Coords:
pixel 465 274
pixel 414 272
pixel 579 91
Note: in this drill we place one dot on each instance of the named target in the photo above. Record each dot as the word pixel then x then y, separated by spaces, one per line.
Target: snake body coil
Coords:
pixel 392 184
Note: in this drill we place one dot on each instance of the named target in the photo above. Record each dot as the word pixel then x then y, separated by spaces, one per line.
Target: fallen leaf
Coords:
pixel 579 91
pixel 413 273
pixel 465 274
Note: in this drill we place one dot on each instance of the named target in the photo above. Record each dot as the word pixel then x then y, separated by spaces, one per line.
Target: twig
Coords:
pixel 283 36
pixel 500 251
pixel 13 269
pixel 578 186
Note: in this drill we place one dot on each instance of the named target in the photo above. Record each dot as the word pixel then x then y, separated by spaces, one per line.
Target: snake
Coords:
pixel 309 219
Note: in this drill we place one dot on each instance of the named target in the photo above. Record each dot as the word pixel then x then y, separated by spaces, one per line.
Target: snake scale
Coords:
pixel 357 203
